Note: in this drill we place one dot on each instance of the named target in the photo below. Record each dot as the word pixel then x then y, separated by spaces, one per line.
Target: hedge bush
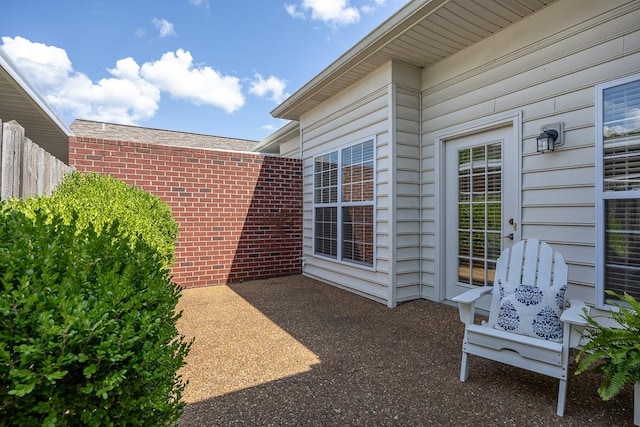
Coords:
pixel 97 199
pixel 88 317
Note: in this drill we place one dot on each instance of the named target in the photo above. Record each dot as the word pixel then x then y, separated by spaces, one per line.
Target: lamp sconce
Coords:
pixel 551 136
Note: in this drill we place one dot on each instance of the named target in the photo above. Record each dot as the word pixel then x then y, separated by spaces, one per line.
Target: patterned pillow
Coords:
pixel 532 311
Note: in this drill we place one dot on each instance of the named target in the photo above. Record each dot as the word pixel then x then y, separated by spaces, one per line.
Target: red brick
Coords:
pixel 228 209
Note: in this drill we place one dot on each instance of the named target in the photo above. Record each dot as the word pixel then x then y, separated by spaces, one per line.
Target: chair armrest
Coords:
pixel 466 302
pixel 575 313
pixel 472 295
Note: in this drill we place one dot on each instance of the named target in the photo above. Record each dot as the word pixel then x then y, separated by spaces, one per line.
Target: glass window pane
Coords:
pixel 622 110
pixel 494 216
pixel 479 187
pixel 621 173
pixel 478 158
pixel 357 234
pixel 478 216
pixel 464 188
pixel 326 178
pixel 478 273
pixel 326 231
pixel 464 216
pixel 357 173
pixel 464 243
pixel 464 162
pixel 464 270
pixel 494 157
pixel 479 245
pixel 494 186
pixel 621 135
pixel 622 164
pixel 622 253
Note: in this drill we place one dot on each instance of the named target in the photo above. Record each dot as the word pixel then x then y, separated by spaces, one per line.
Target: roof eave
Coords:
pixel 404 19
pixel 12 70
pixel 271 144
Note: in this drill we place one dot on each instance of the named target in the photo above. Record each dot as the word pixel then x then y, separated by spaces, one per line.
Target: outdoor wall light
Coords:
pixel 551 136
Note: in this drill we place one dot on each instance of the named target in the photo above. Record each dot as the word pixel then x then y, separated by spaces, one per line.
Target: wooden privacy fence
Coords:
pixel 26 169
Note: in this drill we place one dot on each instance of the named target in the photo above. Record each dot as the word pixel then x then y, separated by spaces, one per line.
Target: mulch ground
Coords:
pixel 295 352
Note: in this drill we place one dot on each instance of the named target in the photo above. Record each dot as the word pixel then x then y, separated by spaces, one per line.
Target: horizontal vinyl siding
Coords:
pixel 360 112
pixel 291 148
pixel 547 80
pixel 407 191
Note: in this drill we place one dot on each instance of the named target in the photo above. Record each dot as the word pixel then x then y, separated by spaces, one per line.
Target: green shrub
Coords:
pixel 97 199
pixel 88 323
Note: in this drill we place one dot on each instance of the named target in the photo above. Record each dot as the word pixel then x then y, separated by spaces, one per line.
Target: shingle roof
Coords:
pixel 111 131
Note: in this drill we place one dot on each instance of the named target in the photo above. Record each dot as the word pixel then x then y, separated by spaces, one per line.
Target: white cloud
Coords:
pixel 117 99
pixel 272 85
pixel 164 27
pixel 292 10
pixel 334 13
pixel 131 93
pixel 174 73
pixel 275 125
pixel 370 8
pixel 43 66
pixel 331 12
pixel 200 3
pixel 124 98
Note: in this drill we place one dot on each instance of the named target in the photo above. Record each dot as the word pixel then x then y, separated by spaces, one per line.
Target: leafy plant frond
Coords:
pixel 613 350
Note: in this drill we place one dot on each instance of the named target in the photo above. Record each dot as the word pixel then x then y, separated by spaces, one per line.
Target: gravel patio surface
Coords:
pixel 295 352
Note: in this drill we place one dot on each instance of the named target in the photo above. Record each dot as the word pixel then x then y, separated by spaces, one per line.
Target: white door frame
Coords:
pixel 513 119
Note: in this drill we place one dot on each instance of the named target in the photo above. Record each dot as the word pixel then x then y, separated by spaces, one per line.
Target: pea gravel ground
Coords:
pixel 295 352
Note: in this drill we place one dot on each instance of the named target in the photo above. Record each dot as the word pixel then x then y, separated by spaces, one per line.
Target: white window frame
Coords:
pixel 601 195
pixel 339 205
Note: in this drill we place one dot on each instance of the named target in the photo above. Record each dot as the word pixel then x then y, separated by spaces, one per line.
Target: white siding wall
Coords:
pixel 360 111
pixel 545 67
pixel 406 116
pixel 291 148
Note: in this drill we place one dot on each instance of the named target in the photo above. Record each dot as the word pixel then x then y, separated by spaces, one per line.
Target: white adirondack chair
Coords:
pixel 534 263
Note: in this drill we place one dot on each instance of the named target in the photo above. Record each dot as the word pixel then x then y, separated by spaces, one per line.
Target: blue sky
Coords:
pixel 202 66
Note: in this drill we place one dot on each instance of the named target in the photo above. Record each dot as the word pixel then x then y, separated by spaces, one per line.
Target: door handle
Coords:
pixel 508 236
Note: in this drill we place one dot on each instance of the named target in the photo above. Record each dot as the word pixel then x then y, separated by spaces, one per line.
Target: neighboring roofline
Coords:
pixel 404 19
pixel 100 122
pixel 23 83
pixel 288 131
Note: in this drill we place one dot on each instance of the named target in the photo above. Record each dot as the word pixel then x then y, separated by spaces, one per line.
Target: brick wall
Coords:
pixel 239 214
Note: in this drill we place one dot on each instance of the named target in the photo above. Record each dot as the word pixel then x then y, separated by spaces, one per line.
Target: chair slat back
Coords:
pixel 529 262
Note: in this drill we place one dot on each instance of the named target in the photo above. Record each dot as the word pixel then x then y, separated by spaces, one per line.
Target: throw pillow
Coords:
pixel 530 310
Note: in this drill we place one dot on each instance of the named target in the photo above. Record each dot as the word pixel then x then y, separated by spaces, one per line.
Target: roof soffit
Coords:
pixel 421 34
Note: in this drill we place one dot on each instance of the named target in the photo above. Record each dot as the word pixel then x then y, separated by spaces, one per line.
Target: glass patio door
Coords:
pixel 482 207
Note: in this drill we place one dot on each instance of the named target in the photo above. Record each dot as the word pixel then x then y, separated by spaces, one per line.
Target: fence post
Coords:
pixel 12 136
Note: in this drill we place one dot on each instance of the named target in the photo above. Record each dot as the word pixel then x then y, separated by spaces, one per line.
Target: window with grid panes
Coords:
pixel 344 204
pixel 618 187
